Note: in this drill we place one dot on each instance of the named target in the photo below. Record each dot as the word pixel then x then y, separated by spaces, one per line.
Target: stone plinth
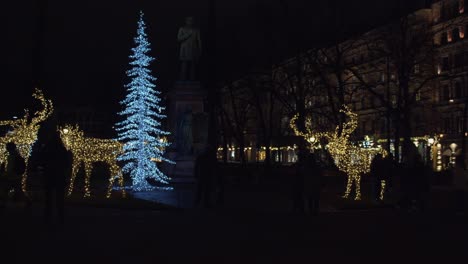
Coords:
pixel 186 97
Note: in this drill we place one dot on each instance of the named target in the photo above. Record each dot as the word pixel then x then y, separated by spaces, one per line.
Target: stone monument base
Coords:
pixel 186 96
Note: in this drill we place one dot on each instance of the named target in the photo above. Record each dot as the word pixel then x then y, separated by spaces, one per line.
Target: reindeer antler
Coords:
pixel 47 105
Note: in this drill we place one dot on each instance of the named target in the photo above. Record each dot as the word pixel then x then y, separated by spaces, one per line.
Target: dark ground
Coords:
pixel 255 225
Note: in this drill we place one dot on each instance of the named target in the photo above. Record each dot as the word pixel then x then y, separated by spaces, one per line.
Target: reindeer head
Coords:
pixel 340 136
pixel 70 135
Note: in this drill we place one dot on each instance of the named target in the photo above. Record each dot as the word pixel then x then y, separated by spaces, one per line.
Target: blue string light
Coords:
pixel 144 140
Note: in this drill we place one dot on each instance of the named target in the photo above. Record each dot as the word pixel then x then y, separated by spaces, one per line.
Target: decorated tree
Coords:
pixel 144 140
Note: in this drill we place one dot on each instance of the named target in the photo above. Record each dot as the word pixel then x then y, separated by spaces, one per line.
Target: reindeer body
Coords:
pixel 350 159
pixel 86 151
pixel 24 134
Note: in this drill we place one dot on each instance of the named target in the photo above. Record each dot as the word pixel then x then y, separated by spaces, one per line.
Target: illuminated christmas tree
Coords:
pixel 141 133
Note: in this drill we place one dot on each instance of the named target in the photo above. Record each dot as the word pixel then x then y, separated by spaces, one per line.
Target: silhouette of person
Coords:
pixel 413 168
pixel 204 174
pixel 54 163
pixel 459 184
pixel 312 175
pixel 376 173
pixel 389 172
pixel 12 177
pixel 298 183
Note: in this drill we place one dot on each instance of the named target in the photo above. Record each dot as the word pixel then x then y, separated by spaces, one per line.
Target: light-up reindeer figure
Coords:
pixel 24 133
pixel 86 150
pixel 350 159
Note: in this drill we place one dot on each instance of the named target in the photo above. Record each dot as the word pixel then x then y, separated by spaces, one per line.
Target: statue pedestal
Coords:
pixel 186 98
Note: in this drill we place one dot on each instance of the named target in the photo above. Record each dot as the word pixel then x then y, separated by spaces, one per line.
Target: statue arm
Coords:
pixel 183 36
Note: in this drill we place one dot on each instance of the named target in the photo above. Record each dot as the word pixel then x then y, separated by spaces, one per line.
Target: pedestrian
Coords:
pixel 376 175
pixel 459 184
pixel 53 163
pixel 312 184
pixel 11 179
pixel 389 168
pixel 298 184
pixel 204 174
pixel 412 166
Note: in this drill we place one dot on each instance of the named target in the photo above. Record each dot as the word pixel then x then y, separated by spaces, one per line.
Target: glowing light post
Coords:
pixel 141 131
pixel 453 147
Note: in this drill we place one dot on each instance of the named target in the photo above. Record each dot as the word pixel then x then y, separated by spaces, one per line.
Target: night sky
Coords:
pixel 86 43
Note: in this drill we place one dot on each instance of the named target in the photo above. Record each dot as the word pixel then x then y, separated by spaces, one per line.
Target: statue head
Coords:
pixel 189 21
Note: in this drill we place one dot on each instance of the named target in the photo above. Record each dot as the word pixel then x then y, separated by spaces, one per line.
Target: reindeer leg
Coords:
pixel 113 174
pixel 75 167
pixel 348 187
pixel 88 169
pixel 121 181
pixel 357 185
pixel 24 178
pixel 382 189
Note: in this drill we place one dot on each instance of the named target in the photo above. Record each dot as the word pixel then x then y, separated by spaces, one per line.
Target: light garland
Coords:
pixel 24 134
pixel 141 132
pixel 87 151
pixel 350 159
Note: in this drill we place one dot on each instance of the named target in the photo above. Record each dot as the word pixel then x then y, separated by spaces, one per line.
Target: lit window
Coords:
pixel 394 100
pixel 449 36
pixel 461 31
pixel 461 6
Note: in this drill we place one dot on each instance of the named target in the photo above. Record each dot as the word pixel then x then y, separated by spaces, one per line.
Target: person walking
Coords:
pixel 313 184
pixel 53 162
pixel 11 182
pixel 298 184
pixel 376 173
pixel 459 184
pixel 204 174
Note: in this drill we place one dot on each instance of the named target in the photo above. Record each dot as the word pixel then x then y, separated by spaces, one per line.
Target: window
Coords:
pixel 382 77
pixel 364 127
pixel 445 64
pixel 363 103
pixel 437 13
pixel 461 6
pixel 394 100
pixel 443 38
pixel 458 90
pixel 449 36
pixel 437 39
pixel 461 32
pixel 446 125
pixel 445 92
pixel 418 95
pixel 416 68
pixel 458 60
pixel 458 124
pixel 456 34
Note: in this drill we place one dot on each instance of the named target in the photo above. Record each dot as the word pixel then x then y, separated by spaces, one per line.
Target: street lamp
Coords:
pixel 439 157
pixel 453 146
pixel 430 141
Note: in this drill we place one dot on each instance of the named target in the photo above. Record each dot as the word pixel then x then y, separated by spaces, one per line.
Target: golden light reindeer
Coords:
pixel 350 159
pixel 86 151
pixel 24 133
